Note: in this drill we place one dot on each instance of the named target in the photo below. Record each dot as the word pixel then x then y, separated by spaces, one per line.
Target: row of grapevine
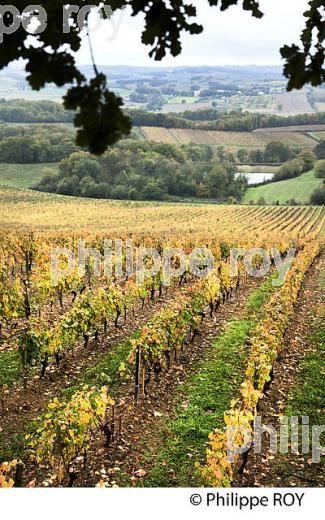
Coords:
pixel 62 436
pixel 177 326
pixel 91 314
pixel 266 343
pixel 67 428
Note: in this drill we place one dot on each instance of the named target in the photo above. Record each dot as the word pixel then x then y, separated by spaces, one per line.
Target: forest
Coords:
pixel 139 170
pixel 31 144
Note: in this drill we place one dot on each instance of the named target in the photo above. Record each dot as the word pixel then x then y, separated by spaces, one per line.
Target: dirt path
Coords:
pixel 276 470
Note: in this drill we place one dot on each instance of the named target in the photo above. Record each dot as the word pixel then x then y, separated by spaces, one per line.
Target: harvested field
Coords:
pixel 294 103
pixel 230 140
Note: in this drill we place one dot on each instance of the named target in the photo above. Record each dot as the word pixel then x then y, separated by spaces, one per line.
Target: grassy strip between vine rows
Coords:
pixel 208 393
pixel 105 372
pixel 10 368
pixel 307 396
pixel 267 342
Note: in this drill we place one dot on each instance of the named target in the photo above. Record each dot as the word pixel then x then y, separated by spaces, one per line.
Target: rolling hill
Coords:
pixel 299 188
pixel 23 175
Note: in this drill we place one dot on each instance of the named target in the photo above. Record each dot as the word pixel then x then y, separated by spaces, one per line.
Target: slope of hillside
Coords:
pixel 299 189
pixel 22 175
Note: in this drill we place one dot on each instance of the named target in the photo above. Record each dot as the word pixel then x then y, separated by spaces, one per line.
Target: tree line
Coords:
pixel 138 170
pixel 318 196
pixel 26 144
pixel 22 111
pixel 234 121
pixel 35 144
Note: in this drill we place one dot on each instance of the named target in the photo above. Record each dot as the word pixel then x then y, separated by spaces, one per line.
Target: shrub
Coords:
pixel 320 169
pixel 320 150
pixel 318 196
pixel 289 170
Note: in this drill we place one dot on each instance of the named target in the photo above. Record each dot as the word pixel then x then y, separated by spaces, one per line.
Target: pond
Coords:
pixel 256 178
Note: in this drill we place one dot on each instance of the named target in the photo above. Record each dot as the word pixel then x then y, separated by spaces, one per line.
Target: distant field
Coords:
pixel 49 94
pixel 22 175
pixel 258 168
pixel 299 189
pixel 294 103
pixel 181 99
pixel 293 128
pixel 67 126
pixel 265 103
pixel 319 135
pixel 230 140
pixel 180 107
pixel 290 138
pixel 137 133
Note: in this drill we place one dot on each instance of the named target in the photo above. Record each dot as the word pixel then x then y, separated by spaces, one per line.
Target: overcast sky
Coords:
pixel 233 37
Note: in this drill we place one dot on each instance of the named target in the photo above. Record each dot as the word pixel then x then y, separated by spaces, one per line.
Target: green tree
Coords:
pixel 320 150
pixel 68 186
pixel 120 191
pixel 49 181
pixel 153 191
pixel 80 164
pixel 320 169
pixel 318 196
pixel 277 151
pixel 308 158
pixel 289 170
pixel 242 155
pixel 87 186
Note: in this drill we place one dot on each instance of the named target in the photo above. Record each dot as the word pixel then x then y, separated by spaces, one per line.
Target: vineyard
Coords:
pixel 230 140
pixel 109 379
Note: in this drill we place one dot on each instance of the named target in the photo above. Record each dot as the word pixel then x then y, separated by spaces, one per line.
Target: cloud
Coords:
pixel 233 37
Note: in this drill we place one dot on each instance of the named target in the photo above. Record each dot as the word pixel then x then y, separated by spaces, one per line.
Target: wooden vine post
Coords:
pixel 137 375
pixel 25 364
pixel 143 382
pixel 18 479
